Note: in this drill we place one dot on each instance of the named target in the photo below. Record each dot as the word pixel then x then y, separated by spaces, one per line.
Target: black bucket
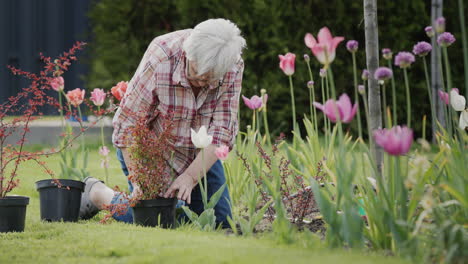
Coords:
pixel 156 212
pixel 60 204
pixel 13 213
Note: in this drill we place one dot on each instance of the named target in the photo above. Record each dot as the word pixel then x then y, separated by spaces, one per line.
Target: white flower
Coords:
pixel 463 123
pixel 201 139
pixel 457 101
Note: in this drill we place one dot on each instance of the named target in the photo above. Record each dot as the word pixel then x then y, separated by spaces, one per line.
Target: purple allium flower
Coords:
pixel 352 45
pixel 310 84
pixel 439 24
pixel 446 39
pixel 404 59
pixel 323 73
pixel 429 31
pixel 387 54
pixel 422 48
pixel 365 75
pixel 361 89
pixel 382 74
pixel 306 58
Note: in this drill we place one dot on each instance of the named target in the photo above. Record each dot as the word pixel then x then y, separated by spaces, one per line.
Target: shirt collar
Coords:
pixel 179 75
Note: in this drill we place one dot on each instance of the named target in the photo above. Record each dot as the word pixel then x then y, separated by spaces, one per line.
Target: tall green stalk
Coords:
pixel 384 106
pixel 366 109
pixel 322 86
pixel 356 96
pixel 429 92
pixel 103 145
pixel 464 41
pixel 313 111
pixel 449 87
pixel 295 128
pixel 408 99
pixel 393 94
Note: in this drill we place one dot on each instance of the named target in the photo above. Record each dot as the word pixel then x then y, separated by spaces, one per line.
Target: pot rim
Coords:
pixel 14 200
pixel 43 184
pixel 158 202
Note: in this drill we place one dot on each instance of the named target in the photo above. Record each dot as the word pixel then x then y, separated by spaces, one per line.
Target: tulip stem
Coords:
pixel 103 145
pixel 265 121
pixel 322 86
pixel 428 85
pixel 313 111
pixel 408 99
pixel 356 95
pixel 293 110
pixel 61 110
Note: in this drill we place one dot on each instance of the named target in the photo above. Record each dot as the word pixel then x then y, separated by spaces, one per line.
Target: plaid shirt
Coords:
pixel 160 85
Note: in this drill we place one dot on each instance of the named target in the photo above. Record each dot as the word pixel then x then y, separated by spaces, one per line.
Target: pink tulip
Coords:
pixel 119 90
pixel 222 152
pixel 98 96
pixel 287 63
pixel 344 107
pixel 76 97
pixel 57 83
pixel 445 97
pixel 395 141
pixel 104 151
pixel 253 103
pixel 324 49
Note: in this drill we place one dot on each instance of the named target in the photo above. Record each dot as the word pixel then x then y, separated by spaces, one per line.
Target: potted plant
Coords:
pixel 60 199
pixel 150 152
pixel 16 115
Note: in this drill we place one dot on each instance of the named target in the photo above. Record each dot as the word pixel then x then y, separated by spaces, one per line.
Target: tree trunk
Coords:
pixel 436 78
pixel 372 61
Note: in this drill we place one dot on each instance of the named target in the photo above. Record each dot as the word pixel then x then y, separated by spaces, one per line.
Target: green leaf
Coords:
pixel 215 197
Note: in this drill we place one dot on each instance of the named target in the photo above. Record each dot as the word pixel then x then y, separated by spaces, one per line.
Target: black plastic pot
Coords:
pixel 156 212
pixel 13 213
pixel 60 204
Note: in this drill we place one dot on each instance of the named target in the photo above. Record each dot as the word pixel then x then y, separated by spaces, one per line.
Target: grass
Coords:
pixel 92 242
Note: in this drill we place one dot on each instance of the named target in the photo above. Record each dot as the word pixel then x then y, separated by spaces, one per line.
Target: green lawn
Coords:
pixel 92 242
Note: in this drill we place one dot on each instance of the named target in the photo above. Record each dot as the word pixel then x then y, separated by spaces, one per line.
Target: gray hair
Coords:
pixel 215 45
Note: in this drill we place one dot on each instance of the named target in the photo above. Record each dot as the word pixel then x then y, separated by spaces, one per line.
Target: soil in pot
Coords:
pixel 60 203
pixel 156 212
pixel 13 213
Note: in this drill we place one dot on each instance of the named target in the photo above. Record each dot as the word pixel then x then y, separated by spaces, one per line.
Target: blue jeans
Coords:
pixel 215 178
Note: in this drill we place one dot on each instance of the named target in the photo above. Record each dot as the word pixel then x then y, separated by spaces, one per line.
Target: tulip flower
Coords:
pixel 444 96
pixel 118 91
pixel 104 151
pixel 201 139
pixel 287 63
pixel 457 101
pixel 323 49
pixel 463 123
pixel 57 83
pixel 395 141
pixel 253 103
pixel 98 96
pixel 222 152
pixel 76 97
pixel 345 109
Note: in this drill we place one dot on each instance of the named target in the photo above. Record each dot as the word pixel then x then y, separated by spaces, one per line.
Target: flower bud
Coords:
pixel 310 84
pixel 306 58
pixel 323 73
pixel 361 89
pixel 429 31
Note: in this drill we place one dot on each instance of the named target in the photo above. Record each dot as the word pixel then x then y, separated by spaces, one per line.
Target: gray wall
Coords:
pixel 28 27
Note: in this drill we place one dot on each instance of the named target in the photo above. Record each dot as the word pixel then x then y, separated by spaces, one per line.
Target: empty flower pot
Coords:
pixel 155 212
pixel 60 202
pixel 13 213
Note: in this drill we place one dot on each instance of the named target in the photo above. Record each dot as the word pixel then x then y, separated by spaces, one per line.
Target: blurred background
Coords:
pixel 118 32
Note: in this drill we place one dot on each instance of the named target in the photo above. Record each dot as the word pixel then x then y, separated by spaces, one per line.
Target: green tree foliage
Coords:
pixel 123 29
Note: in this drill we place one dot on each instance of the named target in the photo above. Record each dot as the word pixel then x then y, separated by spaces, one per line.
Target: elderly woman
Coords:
pixel 196 75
